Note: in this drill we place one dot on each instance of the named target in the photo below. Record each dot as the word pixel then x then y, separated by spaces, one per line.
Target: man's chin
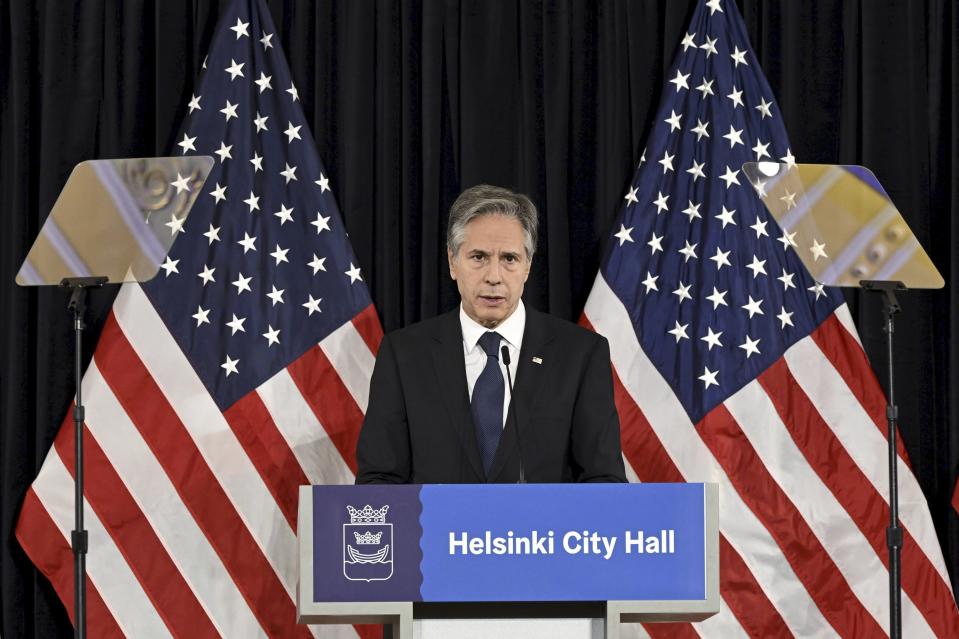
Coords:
pixel 492 317
pixel 490 322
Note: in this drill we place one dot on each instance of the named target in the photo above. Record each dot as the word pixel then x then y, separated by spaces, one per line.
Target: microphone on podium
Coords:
pixel 504 352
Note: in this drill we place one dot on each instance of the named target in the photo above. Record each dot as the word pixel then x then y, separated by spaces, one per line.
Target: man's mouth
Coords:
pixel 492 300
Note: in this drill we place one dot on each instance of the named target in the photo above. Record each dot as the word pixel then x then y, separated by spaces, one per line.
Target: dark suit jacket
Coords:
pixel 419 429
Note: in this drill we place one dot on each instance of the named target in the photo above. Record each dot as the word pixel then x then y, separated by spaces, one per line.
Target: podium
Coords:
pixel 433 560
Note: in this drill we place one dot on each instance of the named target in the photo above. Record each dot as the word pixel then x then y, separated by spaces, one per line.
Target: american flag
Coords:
pixel 733 366
pixel 237 374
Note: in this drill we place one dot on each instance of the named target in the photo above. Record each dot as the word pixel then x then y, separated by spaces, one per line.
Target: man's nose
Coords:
pixel 493 272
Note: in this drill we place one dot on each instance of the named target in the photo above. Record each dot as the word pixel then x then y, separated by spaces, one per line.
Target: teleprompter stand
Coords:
pixel 78 537
pixel 110 224
pixel 890 307
pixel 857 239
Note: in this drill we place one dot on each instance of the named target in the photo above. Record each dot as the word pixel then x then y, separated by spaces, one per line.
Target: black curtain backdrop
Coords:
pixel 410 102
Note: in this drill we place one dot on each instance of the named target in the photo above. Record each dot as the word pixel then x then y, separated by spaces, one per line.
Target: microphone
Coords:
pixel 504 351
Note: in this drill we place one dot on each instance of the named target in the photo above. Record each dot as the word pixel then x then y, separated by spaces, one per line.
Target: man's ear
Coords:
pixel 529 265
pixel 451 260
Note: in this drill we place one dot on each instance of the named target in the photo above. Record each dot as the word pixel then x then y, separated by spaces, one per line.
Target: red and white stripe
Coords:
pixel 800 457
pixel 192 512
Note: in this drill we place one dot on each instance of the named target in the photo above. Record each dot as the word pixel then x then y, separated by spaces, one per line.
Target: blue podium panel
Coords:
pixel 509 542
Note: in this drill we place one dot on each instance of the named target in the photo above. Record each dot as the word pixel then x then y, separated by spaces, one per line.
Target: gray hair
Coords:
pixel 484 199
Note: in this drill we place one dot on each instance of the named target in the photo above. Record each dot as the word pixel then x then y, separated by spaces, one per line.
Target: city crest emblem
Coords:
pixel 367 545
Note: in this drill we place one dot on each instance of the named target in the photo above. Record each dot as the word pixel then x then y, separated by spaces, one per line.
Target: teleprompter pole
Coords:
pixel 890 306
pixel 78 537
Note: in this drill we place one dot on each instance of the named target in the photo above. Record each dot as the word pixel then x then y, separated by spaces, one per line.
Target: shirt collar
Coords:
pixel 511 330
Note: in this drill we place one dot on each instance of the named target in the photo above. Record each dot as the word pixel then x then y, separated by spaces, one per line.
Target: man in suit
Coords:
pixel 440 408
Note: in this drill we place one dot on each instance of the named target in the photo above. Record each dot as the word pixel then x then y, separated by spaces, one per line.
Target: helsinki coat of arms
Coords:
pixel 367 545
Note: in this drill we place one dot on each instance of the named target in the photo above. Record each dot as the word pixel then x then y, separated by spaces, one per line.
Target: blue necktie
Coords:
pixel 487 401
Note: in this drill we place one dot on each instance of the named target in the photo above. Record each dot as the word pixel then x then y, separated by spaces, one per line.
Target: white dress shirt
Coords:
pixel 511 332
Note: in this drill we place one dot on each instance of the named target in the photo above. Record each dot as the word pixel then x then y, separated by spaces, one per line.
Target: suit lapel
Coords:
pixel 526 387
pixel 447 351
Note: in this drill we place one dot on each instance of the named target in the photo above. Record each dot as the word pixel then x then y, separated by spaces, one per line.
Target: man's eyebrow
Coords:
pixel 479 252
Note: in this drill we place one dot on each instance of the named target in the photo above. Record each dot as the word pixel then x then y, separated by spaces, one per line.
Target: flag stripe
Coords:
pixel 849 359
pixel 826 454
pixel 639 439
pixel 118 586
pixel 855 494
pixel 750 605
pixel 823 384
pixel 330 401
pixel 134 538
pixel 810 561
pixel 170 374
pixel 100 620
pixel 640 444
pixel 648 389
pixel 167 436
pixel 368 631
pixel 633 631
pixel 368 326
pixel 318 458
pixel 49 551
pixel 844 317
pixel 631 475
pixel 352 360
pixel 652 463
pixel 157 497
pixel 254 428
pixel 839 536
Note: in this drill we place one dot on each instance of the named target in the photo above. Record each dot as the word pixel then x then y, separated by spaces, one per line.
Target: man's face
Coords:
pixel 490 268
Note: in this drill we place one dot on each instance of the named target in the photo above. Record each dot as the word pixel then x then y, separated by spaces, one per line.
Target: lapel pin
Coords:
pixel 537 360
